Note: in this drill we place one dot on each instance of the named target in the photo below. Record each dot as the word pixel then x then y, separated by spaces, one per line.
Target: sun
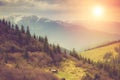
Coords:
pixel 98 11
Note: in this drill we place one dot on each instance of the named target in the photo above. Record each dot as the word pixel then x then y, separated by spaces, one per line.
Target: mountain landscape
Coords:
pixel 59 39
pixel 26 57
pixel 66 33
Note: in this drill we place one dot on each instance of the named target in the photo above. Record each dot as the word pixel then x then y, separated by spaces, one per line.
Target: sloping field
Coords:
pixel 97 54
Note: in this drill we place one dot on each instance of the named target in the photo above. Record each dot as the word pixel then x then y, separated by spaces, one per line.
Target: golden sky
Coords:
pixel 62 9
pixel 83 9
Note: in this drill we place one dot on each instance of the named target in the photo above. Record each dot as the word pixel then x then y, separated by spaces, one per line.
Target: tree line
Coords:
pixel 111 64
pixel 18 39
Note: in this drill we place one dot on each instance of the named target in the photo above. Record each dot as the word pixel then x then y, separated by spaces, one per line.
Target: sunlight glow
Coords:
pixel 98 11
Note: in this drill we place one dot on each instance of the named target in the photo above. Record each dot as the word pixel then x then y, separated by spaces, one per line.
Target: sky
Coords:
pixel 69 10
pixel 100 15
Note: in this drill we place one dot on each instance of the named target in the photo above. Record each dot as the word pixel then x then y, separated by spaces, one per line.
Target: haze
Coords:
pixel 101 15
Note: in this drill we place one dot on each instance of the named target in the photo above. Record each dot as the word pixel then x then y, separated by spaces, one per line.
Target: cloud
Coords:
pixel 41 4
pixel 2 3
pixel 15 3
pixel 33 3
pixel 56 4
pixel 57 8
pixel 53 1
pixel 39 7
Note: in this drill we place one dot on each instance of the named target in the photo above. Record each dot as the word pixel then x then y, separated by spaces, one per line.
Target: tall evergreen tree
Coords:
pixel 22 29
pixel 54 48
pixel 9 24
pixel 13 26
pixel 46 47
pixel 41 39
pixel 16 28
pixel 34 36
pixel 74 54
pixel 28 38
pixel 3 21
pixel 28 31
pixel 46 40
pixel 58 48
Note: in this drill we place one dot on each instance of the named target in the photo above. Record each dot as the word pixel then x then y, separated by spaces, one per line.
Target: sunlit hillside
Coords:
pixel 27 57
pixel 78 70
pixel 59 39
pixel 70 72
pixel 97 54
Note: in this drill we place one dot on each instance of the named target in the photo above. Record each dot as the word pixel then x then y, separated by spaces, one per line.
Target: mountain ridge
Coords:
pixel 65 33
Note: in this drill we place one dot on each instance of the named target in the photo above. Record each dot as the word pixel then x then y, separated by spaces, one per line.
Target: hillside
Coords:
pixel 17 39
pixel 28 57
pixel 98 53
pixel 107 57
pixel 21 51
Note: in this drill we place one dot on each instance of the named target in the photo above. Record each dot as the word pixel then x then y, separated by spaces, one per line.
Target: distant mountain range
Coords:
pixel 68 35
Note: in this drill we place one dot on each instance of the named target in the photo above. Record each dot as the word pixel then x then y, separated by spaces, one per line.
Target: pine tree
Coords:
pixel 28 32
pixel 74 51
pixel 46 47
pixel 16 28
pixel 54 48
pixel 41 39
pixel 28 35
pixel 22 29
pixel 58 48
pixel 74 54
pixel 46 40
pixel 34 36
pixel 9 25
pixel 3 21
pixel 13 26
